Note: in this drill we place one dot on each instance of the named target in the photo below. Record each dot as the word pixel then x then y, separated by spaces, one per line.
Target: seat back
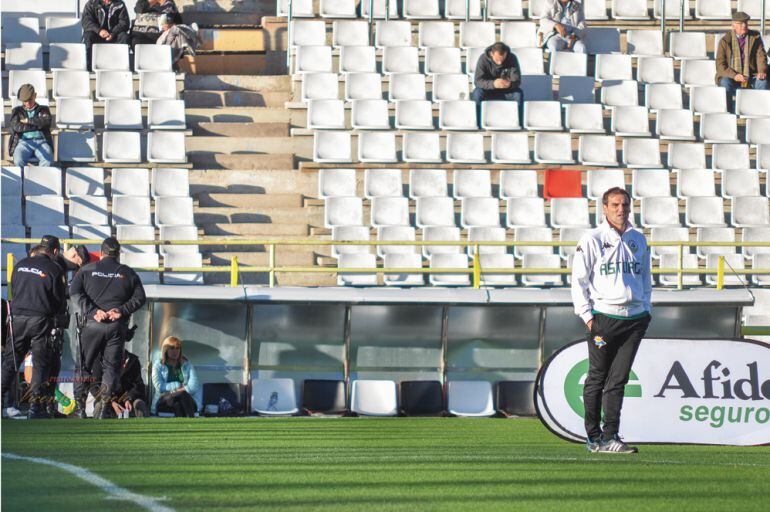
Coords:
pixel 273 397
pixel 470 398
pixel 374 398
pixel 323 396
pixel 421 397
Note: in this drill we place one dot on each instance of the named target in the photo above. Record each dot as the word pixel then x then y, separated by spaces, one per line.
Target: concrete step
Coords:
pixel 280 250
pixel 254 83
pixel 218 98
pixel 240 115
pixel 229 39
pixel 253 230
pixel 219 215
pixel 302 146
pixel 273 181
pixel 231 129
pixel 252 201
pixel 249 161
pixel 222 63
pixel 294 259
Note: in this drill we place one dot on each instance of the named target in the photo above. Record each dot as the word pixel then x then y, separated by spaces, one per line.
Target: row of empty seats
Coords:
pixel 518 183
pixel 595 10
pixel 78 114
pixel 109 85
pixel 514 148
pixel 105 57
pixel 457 269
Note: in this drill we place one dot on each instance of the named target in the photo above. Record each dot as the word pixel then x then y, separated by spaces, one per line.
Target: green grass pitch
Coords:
pixel 399 464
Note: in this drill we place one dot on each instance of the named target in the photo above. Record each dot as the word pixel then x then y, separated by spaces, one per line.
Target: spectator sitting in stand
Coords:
pixel 562 25
pixel 146 28
pixel 741 58
pixel 30 130
pixel 497 77
pixel 183 39
pixel 131 394
pixel 175 382
pixel 104 22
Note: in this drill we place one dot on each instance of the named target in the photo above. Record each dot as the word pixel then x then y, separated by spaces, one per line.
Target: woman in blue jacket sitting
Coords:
pixel 175 382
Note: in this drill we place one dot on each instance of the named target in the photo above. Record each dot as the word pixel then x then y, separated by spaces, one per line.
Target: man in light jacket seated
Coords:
pixel 175 383
pixel 562 26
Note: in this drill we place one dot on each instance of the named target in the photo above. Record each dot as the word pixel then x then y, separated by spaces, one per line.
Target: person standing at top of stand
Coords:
pixel 611 290
pixel 107 294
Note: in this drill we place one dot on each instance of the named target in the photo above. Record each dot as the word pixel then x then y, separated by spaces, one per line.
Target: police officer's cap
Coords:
pixel 111 246
pixel 50 242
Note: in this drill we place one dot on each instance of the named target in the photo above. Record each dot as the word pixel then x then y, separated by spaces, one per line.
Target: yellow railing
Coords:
pixel 475 270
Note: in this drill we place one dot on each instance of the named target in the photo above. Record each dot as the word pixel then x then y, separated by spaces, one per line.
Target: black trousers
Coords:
pixel 30 333
pixel 92 38
pixel 100 343
pixel 144 38
pixel 181 404
pixel 612 346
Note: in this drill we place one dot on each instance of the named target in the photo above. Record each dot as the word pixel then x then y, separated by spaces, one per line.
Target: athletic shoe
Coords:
pixel 616 445
pixel 11 412
pixel 593 444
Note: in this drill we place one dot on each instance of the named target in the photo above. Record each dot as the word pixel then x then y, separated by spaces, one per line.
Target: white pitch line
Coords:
pixel 115 492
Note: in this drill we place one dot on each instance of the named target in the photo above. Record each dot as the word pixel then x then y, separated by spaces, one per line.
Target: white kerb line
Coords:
pixel 115 492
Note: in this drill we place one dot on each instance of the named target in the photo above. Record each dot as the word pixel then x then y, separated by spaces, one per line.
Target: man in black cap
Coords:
pixel 70 260
pixel 107 293
pixel 741 59
pixel 39 294
pixel 30 130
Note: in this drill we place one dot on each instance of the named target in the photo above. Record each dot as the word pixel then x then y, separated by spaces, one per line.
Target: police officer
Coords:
pixel 107 293
pixel 40 290
pixel 70 260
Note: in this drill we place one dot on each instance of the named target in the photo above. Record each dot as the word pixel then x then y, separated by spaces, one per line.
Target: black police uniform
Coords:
pixel 39 294
pixel 104 285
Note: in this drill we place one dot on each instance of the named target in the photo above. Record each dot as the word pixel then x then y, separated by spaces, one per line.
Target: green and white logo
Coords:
pixel 573 387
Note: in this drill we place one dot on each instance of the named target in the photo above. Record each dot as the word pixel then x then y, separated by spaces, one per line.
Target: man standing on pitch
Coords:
pixel 611 289
pixel 108 293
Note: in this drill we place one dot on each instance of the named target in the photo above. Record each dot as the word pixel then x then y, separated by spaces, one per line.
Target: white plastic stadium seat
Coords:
pixel 675 124
pixel 11 210
pixel 472 183
pixel 719 127
pixel 457 115
pixel 758 130
pixel 35 77
pixel 752 103
pixel 733 262
pixel 130 182
pixel 357 59
pixel 713 9
pixel 434 211
pixel 389 211
pixel 325 114
pixel 505 10
pixel 755 234
pixel 537 87
pixel 672 10
pixel 480 211
pixel 83 181
pixel 363 86
pixel 688 45
pixel 436 34
pixel 130 232
pixel 616 93
pixel 114 84
pixel 542 115
pixel 689 261
pixel 663 96
pixel 63 29
pixel 450 87
pixel 470 398
pixel 598 181
pixel 486 234
pixel 595 10
pixel 357 260
pixel 336 182
pixel 730 156
pixel 697 72
pixel 695 182
pixel 629 9
pixel 530 60
pixel 525 212
pixel 313 59
pixel 11 185
pixel 378 10
pixel 320 86
pixel 39 181
pixel 447 261
pixel 299 8
pixel 167 181
pixel 476 34
pixel 655 70
pixel 613 67
pixel 421 9
pixel 377 147
pixel 705 99
pixel 754 9
pixel 392 33
pixel 273 397
pixel 704 212
pixel 455 9
pixel 518 183
pixel 157 85
pixel 174 211
pixel 373 398
pixel 644 43
pixel 350 33
pixel 166 147
pixel 343 211
pixel 183 260
pixel 570 234
pixel 24 56
pixel 510 148
pixel 443 60
pixel 541 261
pixel 48 210
pixel 69 83
pixel 568 64
pixel 93 233
pixel 76 147
pixel 308 33
pixel 400 59
pixel 427 183
pixel 465 148
pixel 597 150
pixel 89 210
pixel 682 155
pixel 672 234
pixel 750 211
pixel 583 118
pixel 718 234
pixel 650 183
pixel 141 260
pixel 131 210
pixel 553 148
pixel 22 29
pixel 402 260
pixel 440 233
pixel 660 212
pixel 421 147
pixel 576 89
pixel 338 9
pixel 414 114
pixel 152 57
pixel 630 121
pixel 352 233
pixel 490 263
pixel 641 153
pixel 122 147
pixel 740 182
pixel 109 57
pixel 395 234
pixel 166 115
pixel 569 212
pixel 601 40
pixel 123 115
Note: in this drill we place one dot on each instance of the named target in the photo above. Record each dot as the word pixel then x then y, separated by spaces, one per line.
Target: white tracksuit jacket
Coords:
pixel 611 273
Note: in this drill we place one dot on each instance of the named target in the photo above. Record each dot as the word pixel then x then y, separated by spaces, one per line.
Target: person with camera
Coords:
pixel 175 382
pixel 497 77
pixel 107 293
pixel 39 297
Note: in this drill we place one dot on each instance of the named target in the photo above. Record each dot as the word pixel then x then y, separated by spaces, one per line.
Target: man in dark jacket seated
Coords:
pixel 104 22
pixel 131 395
pixel 497 77
pixel 30 130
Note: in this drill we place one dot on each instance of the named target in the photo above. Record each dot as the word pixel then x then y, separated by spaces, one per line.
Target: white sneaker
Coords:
pixel 11 412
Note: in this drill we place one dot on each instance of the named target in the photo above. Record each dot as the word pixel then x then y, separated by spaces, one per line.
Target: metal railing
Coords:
pixel 476 270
